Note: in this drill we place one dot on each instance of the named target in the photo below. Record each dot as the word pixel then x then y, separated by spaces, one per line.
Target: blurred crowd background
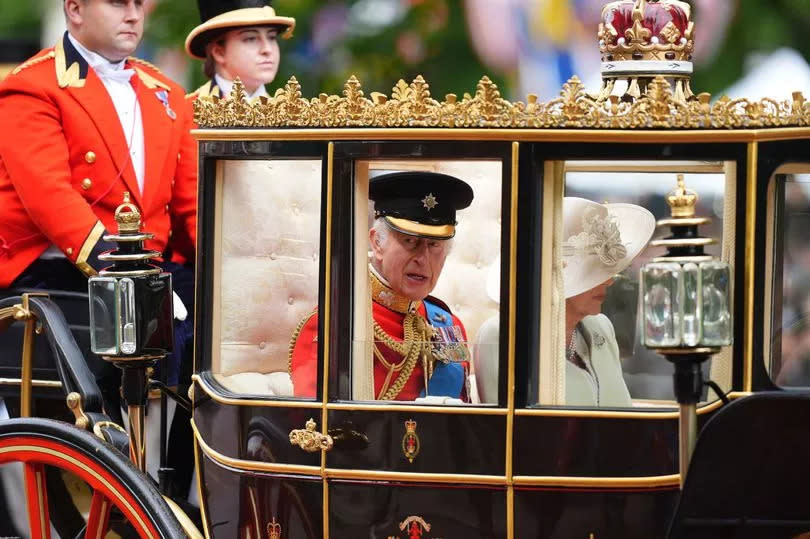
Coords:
pixel 750 48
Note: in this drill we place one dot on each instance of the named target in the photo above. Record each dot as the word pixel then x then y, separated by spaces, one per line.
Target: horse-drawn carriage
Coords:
pixel 284 216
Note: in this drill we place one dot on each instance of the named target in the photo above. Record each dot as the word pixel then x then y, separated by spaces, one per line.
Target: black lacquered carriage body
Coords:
pixel 523 463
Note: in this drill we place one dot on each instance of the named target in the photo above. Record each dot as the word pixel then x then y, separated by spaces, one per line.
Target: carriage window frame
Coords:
pixel 554 188
pixel 364 170
pixel 213 156
pixel 346 156
pixel 775 249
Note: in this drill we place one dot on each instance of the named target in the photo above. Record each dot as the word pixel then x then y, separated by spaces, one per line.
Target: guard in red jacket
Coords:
pixel 420 347
pixel 83 123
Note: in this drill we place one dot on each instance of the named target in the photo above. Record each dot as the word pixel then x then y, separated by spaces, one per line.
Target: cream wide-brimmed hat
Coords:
pixel 219 16
pixel 600 240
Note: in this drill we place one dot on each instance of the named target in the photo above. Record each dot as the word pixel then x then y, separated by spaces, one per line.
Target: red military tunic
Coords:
pixel 64 163
pixel 304 355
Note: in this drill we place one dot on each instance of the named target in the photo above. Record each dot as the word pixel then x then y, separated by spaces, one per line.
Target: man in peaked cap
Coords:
pixel 237 38
pixel 420 347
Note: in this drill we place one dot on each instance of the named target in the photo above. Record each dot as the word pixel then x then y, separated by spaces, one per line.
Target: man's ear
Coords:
pixel 73 11
pixel 374 241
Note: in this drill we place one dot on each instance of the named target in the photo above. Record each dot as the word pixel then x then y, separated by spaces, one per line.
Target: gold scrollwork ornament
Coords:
pixel 309 439
pixel 411 105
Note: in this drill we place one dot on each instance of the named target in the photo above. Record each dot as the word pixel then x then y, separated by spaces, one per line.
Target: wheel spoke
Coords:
pixel 99 518
pixel 37 496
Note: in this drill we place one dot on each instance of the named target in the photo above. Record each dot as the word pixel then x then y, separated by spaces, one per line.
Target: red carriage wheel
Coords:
pixel 118 487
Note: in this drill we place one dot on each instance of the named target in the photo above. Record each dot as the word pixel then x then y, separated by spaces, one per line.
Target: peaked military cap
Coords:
pixel 219 16
pixel 420 203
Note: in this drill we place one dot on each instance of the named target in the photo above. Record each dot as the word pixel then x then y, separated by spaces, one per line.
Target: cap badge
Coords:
pixel 430 202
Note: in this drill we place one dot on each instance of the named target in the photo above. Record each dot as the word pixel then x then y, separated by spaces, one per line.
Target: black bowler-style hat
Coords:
pixel 420 203
pixel 218 16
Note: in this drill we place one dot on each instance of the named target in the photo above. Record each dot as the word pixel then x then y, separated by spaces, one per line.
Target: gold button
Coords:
pixel 90 157
pixel 178 157
pixel 170 233
pixel 87 184
pixel 167 208
pixel 69 251
pixel 172 183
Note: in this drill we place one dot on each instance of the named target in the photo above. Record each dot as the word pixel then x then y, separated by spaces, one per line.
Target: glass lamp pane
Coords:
pixel 104 325
pixel 692 327
pixel 127 314
pixel 662 287
pixel 716 277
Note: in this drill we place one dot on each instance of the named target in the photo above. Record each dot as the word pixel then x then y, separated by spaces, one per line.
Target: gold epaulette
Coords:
pixel 144 62
pixel 33 61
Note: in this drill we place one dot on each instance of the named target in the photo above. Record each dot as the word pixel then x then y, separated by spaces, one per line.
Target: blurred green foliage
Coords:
pixel 759 26
pixel 21 19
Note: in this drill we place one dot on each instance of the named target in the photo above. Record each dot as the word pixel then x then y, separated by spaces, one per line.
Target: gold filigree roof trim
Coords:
pixel 411 105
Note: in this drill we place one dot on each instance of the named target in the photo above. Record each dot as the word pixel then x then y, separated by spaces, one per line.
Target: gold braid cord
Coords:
pixel 411 105
pixel 294 339
pixel 416 341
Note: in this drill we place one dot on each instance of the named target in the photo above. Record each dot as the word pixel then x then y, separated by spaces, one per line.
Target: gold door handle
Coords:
pixel 311 440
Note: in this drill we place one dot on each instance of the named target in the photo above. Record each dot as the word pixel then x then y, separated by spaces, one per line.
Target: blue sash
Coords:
pixel 448 378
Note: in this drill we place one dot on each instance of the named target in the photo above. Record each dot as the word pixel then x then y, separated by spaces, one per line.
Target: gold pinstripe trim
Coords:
pixel 603 482
pixel 751 265
pixel 87 248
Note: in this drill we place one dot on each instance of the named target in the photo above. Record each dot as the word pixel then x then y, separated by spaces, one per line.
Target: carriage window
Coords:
pixel 266 267
pixel 593 356
pixel 427 281
pixel 790 330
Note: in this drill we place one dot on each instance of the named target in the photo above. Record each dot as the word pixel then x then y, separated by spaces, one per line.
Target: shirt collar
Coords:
pixel 225 86
pixel 95 60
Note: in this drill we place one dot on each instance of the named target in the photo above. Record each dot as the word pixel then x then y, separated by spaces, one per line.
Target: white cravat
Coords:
pixel 226 85
pixel 116 80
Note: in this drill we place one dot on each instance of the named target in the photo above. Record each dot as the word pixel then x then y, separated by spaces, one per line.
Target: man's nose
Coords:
pixel 420 252
pixel 134 12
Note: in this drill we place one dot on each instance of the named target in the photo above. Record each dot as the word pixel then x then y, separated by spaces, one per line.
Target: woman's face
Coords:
pixel 588 303
pixel 250 53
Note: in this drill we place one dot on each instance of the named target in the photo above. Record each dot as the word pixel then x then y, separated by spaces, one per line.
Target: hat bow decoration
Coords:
pixel 600 236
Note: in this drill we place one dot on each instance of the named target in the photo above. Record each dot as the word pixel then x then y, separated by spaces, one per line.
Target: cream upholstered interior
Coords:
pixel 267 265
pixel 267 260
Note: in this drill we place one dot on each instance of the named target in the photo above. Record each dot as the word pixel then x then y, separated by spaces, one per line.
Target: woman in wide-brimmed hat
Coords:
pixel 237 38
pixel 599 241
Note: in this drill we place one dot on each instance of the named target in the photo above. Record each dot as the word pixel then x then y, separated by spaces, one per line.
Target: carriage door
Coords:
pixel 263 217
pixel 406 464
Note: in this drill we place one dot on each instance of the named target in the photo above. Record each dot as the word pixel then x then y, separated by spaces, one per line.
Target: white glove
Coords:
pixel 180 311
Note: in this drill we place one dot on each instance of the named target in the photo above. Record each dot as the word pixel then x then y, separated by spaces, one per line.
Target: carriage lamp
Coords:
pixel 131 322
pixel 685 307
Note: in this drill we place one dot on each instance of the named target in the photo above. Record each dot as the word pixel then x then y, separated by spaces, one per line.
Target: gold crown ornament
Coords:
pixel 642 39
pixel 128 217
pixel 682 201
